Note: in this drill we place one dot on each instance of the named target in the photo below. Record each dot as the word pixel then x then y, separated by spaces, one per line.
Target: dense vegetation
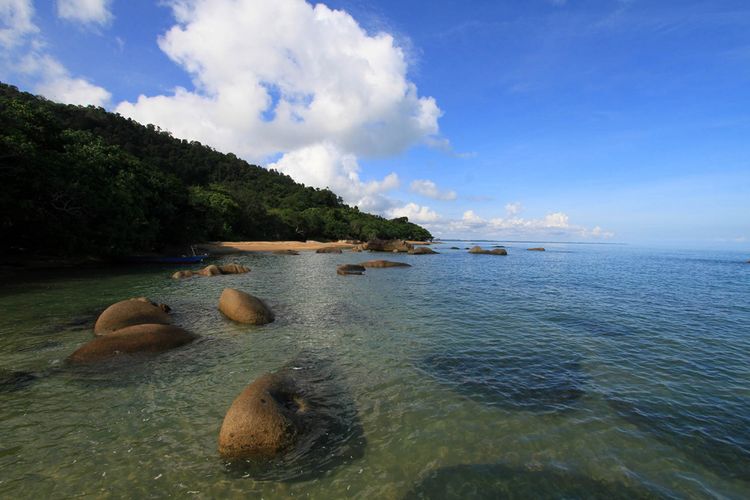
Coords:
pixel 80 180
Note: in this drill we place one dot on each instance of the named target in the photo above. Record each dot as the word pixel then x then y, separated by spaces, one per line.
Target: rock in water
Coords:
pixel 345 269
pixel 11 381
pixel 131 312
pixel 244 308
pixel 422 251
pixel 383 263
pixel 495 251
pixel 137 339
pixel 389 246
pixel 264 420
pixel 285 252
pixel 213 270
pixel 536 249
pixel 328 250
pixel 233 268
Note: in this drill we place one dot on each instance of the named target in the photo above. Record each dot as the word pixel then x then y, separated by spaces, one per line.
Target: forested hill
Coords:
pixel 82 181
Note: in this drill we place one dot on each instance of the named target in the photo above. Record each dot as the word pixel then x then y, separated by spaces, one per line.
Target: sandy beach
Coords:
pixel 224 247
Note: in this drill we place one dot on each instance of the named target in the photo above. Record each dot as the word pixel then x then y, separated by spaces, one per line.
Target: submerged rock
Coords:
pixel 537 382
pixel 328 250
pixel 131 312
pixel 137 339
pixel 285 252
pixel 345 269
pixel 422 251
pixel 293 424
pixel 11 381
pixel 496 481
pixel 455 248
pixel 244 308
pixel 536 249
pixel 383 263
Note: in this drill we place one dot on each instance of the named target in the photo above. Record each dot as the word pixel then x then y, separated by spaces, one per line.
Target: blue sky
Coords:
pixel 607 120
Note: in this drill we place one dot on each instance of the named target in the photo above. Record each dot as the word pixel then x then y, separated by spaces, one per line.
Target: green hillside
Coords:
pixel 82 181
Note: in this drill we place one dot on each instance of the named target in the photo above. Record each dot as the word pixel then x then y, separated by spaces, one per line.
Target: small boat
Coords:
pixel 167 259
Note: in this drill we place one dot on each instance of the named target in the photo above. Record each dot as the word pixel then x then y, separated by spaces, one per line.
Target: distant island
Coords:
pixel 83 181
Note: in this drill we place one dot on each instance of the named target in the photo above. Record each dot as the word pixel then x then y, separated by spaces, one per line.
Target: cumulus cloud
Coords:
pixel 415 213
pixel 87 12
pixel 429 189
pixel 553 225
pixel 513 208
pixel 24 55
pixel 16 22
pixel 286 77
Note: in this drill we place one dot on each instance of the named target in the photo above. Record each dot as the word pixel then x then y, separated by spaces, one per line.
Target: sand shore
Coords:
pixel 226 247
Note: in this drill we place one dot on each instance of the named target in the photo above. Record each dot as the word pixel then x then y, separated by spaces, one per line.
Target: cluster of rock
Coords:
pixel 494 251
pixel 213 270
pixel 130 327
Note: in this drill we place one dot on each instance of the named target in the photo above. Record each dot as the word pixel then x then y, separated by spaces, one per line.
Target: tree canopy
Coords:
pixel 81 180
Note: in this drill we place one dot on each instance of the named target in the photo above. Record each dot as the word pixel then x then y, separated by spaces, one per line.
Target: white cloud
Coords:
pixel 88 12
pixel 555 225
pixel 428 188
pixel 415 213
pixel 24 55
pixel 16 22
pixel 325 166
pixel 286 77
pixel 56 83
pixel 513 208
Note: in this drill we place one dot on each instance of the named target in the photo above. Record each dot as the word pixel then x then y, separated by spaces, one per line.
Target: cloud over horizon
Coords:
pixel 86 12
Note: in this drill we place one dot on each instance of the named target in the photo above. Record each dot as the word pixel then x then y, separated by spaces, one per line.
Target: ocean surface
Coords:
pixel 586 371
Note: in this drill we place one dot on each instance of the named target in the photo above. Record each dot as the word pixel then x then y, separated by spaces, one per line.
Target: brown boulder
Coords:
pixel 182 274
pixel 422 251
pixel 383 263
pixel 145 338
pixel 264 420
pixel 211 270
pixel 328 250
pixel 244 308
pixel 131 312
pixel 495 251
pixel 285 252
pixel 389 246
pixel 233 268
pixel 345 269
pixel 536 249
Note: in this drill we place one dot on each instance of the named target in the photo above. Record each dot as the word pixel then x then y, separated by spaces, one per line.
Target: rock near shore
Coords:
pixel 481 251
pixel 389 246
pixel 345 269
pixel 131 312
pixel 244 308
pixel 383 263
pixel 213 270
pixel 422 251
pixel 137 339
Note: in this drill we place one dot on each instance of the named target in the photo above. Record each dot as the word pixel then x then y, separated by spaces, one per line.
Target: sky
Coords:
pixel 621 121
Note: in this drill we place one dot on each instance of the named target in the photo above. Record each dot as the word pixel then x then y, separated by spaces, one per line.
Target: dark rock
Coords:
pixel 500 481
pixel 285 252
pixel 536 249
pixel 383 263
pixel 131 312
pixel 455 248
pixel 138 339
pixel 422 251
pixel 345 269
pixel 244 308
pixel 328 250
pixel 11 381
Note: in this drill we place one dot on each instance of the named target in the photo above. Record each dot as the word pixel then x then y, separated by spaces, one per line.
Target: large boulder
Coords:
pixel 264 420
pixel 383 263
pixel 328 250
pixel 536 249
pixel 138 339
pixel 422 251
pixel 389 246
pixel 345 269
pixel 244 308
pixel 494 251
pixel 131 312
pixel 211 270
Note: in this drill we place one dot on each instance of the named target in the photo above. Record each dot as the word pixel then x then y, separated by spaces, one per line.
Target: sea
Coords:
pixel 584 371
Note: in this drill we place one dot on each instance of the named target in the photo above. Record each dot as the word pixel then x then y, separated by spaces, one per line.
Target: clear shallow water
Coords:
pixel 587 370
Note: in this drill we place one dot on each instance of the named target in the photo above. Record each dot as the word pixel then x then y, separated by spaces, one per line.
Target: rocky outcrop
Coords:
pixel 328 250
pixel 389 246
pixel 138 339
pixel 536 249
pixel 264 420
pixel 383 263
pixel 244 308
pixel 131 312
pixel 494 251
pixel 345 269
pixel 422 251
pixel 213 270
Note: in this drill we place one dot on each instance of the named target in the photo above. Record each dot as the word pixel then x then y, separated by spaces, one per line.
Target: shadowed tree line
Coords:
pixel 82 181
